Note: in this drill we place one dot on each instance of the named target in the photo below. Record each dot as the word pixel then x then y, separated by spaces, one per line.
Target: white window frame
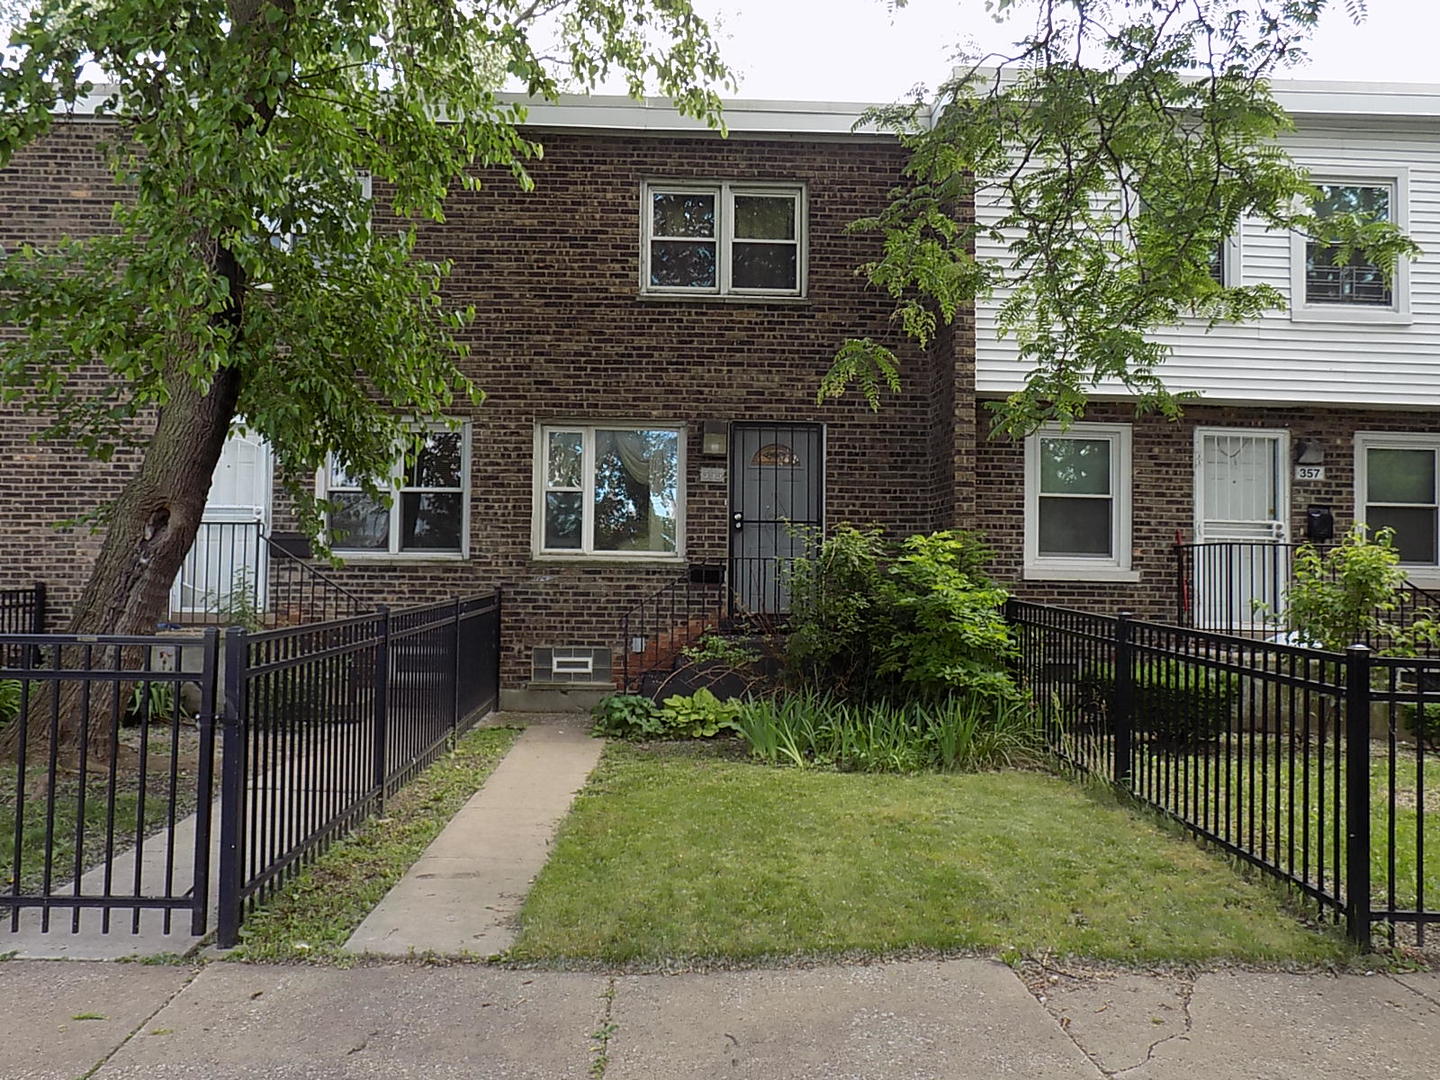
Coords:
pixel 724 192
pixel 1116 567
pixel 587 550
pixel 1398 180
pixel 396 477
pixel 1231 261
pixel 1421 573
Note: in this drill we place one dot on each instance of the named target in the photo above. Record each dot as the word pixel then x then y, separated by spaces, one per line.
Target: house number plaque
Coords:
pixel 1309 472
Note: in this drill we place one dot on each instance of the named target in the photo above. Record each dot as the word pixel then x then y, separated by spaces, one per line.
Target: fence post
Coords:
pixel 1122 703
pixel 455 671
pixel 37 615
pixel 382 704
pixel 499 642
pixel 1357 794
pixel 232 789
pixel 204 783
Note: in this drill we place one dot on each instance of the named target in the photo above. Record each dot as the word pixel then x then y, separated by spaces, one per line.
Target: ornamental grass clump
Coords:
pixel 962 733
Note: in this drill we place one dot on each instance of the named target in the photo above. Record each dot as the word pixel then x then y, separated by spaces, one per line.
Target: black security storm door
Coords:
pixel 777 501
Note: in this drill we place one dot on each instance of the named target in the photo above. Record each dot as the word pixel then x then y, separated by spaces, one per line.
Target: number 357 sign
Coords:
pixel 1309 472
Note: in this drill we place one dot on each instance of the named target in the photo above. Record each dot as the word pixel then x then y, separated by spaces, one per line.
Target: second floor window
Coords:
pixel 724 239
pixel 1354 281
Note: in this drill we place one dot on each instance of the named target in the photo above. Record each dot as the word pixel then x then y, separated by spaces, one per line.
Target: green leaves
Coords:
pixel 1084 187
pixel 924 618
pixel 277 163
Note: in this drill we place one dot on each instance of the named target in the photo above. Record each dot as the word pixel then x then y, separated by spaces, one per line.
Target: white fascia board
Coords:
pixel 616 112
pixel 658 115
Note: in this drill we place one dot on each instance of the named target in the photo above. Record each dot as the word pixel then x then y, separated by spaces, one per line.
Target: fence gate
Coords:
pixel 777 496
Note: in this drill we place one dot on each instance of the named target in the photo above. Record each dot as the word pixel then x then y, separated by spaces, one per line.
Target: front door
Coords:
pixel 1241 567
pixel 225 572
pixel 777 501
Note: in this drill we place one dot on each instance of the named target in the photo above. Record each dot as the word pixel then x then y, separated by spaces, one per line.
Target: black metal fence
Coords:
pixel 105 791
pixel 108 786
pixel 1311 765
pixel 323 722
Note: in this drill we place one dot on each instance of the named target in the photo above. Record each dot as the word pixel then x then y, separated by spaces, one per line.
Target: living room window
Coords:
pixel 1077 502
pixel 428 509
pixel 1397 479
pixel 609 490
pixel 724 239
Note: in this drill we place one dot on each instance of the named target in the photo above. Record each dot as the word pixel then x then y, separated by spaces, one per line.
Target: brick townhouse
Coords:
pixel 654 319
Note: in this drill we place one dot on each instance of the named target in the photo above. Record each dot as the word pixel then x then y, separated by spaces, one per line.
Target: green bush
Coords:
pixel 919 619
pixel 630 716
pixel 1174 704
pixel 963 732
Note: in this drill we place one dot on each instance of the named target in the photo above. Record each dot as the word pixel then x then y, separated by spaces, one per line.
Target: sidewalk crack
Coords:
pixel 1186 995
pixel 604 1030
pixel 1415 990
pixel 141 1026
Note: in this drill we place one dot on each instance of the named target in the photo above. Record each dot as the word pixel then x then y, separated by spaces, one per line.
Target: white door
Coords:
pixel 226 571
pixel 1242 501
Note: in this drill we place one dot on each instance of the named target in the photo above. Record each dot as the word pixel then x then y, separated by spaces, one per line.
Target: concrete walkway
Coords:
pixel 920 1020
pixel 462 895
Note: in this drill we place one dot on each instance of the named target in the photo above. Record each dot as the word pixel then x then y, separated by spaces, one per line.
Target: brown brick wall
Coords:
pixel 59 187
pixel 1163 492
pixel 561 333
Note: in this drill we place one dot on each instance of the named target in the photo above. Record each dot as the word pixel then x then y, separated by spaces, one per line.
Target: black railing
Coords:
pixel 653 632
pixel 22 611
pixel 235 574
pixel 105 789
pixel 298 592
pixel 322 722
pixel 1311 765
pixel 1241 587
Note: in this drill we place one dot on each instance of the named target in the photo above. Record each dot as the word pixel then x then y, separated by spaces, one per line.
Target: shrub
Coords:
pixel 627 716
pixel 1345 595
pixel 962 732
pixel 1175 704
pixel 701 715
pixel 921 619
pixel 714 648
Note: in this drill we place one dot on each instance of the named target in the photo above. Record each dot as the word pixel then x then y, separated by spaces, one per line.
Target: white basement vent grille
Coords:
pixel 570 663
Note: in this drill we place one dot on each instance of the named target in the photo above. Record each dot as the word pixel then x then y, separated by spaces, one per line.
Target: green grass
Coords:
pixel 1214 788
pixel 311 917
pixel 688 853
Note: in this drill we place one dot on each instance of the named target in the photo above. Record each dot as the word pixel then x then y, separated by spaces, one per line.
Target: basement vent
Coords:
pixel 570 663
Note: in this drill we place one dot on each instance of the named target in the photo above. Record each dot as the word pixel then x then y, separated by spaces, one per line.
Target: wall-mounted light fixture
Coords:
pixel 715 438
pixel 1309 453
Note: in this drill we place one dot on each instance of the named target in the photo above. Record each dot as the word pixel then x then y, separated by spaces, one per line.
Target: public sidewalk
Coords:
pixel 917 1020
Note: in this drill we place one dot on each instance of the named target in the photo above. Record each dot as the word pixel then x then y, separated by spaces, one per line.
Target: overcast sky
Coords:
pixel 857 50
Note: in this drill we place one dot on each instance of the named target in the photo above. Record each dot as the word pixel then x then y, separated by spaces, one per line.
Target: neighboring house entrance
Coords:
pixel 777 495
pixel 1242 501
pixel 226 570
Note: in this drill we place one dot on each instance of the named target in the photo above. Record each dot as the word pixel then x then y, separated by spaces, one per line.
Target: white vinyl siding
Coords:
pixel 1381 358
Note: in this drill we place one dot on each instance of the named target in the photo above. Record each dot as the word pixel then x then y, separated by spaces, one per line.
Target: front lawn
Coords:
pixel 685 851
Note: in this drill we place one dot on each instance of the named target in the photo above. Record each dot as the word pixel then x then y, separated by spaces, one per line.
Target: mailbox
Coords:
pixel 1319 524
